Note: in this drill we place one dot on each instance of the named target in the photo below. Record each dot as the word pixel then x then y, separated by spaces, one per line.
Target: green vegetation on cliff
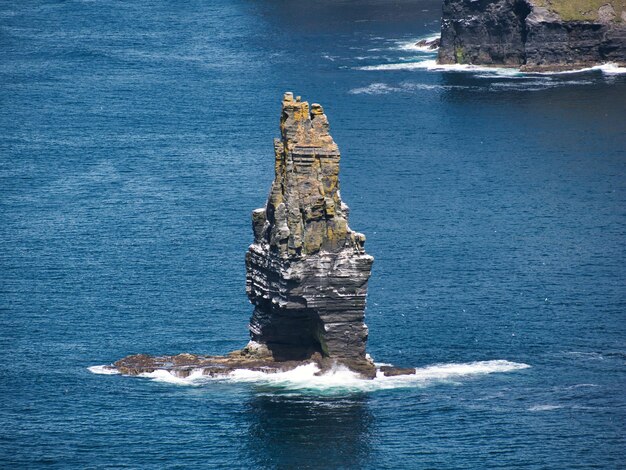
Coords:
pixel 583 10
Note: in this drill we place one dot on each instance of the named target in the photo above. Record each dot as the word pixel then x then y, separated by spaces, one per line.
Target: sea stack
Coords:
pixel 307 271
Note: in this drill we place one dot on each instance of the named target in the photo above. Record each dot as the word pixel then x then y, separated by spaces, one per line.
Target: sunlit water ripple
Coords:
pixel 135 141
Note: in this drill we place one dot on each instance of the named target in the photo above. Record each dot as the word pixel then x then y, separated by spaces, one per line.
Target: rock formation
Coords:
pixel 307 271
pixel 533 34
pixel 429 44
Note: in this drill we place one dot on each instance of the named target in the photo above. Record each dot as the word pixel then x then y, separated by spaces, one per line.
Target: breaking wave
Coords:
pixel 412 45
pixel 432 65
pixel 534 84
pixel 102 370
pixel 339 380
pixel 607 69
pixel 383 88
pixel 526 83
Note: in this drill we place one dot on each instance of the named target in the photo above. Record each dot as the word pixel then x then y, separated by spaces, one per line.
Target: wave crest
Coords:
pixel 412 45
pixel 103 370
pixel 432 65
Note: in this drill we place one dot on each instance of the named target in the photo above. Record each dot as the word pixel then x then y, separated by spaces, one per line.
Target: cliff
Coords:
pixel 533 34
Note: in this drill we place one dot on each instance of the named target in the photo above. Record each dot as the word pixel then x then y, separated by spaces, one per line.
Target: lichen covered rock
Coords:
pixel 307 271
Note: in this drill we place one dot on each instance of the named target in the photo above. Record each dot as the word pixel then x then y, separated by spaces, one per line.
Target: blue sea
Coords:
pixel 136 139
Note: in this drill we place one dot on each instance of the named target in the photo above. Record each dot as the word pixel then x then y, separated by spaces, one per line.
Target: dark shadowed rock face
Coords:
pixel 483 32
pixel 529 34
pixel 307 271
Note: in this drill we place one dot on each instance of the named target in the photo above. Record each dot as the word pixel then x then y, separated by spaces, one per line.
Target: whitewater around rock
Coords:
pixel 307 276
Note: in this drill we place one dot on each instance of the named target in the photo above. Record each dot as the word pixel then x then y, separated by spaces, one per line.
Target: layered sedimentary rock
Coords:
pixel 307 271
pixel 533 34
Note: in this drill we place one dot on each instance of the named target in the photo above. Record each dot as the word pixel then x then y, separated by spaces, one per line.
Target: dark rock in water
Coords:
pixel 431 44
pixel 183 364
pixel 531 34
pixel 391 371
pixel 307 271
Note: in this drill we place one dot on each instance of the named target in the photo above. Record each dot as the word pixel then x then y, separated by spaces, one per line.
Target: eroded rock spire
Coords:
pixel 307 271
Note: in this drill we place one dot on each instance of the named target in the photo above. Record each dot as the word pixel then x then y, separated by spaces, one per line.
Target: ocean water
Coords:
pixel 136 138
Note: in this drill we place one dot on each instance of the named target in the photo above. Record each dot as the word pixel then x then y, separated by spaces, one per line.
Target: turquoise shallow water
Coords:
pixel 134 142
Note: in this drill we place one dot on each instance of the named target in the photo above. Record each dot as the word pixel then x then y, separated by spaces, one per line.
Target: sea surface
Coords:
pixel 136 139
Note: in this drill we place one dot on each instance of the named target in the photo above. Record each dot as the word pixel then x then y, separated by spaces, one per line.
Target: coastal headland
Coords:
pixel 533 35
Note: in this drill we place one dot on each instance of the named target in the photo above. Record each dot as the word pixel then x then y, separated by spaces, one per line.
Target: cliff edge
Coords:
pixel 535 35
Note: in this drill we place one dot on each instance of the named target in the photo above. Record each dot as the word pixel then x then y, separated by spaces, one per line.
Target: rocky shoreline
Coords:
pixel 532 35
pixel 183 365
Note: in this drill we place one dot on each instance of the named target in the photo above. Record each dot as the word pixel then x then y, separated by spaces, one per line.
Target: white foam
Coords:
pixel 544 407
pixel 572 387
pixel 383 88
pixel 412 45
pixel 432 65
pixel 527 84
pixel 374 89
pixel 400 66
pixel 585 355
pixel 608 69
pixel 103 370
pixel 612 69
pixel 193 378
pixel 341 380
pixel 536 84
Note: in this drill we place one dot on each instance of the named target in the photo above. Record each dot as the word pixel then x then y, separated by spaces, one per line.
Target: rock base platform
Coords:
pixel 182 365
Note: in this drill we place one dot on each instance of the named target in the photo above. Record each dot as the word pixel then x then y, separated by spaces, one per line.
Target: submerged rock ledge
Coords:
pixel 307 271
pixel 182 365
